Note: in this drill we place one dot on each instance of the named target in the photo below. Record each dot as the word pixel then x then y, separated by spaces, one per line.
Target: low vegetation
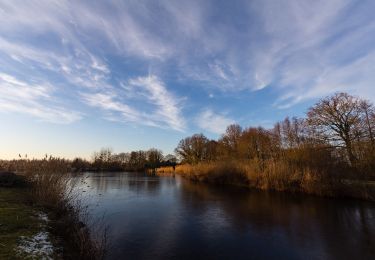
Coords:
pixel 49 189
pixel 18 218
pixel 330 152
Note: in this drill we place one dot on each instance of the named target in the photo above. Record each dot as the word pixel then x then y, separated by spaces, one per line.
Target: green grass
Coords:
pixel 17 218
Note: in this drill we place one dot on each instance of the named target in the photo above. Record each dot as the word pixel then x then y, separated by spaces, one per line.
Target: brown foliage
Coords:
pixel 52 189
pixel 332 146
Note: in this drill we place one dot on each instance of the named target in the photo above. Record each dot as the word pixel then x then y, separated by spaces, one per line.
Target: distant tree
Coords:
pixel 122 158
pixel 211 150
pixel 170 159
pixel 291 132
pixel 229 140
pixel 79 165
pixel 154 158
pixel 255 143
pixel 193 149
pixel 138 160
pixel 103 159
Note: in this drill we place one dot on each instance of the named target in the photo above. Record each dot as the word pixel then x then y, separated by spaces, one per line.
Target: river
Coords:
pixel 171 218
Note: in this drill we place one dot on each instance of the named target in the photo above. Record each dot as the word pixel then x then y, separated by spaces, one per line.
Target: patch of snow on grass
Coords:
pixel 37 246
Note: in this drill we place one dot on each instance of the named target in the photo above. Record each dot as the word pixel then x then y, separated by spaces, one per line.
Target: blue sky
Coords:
pixel 76 76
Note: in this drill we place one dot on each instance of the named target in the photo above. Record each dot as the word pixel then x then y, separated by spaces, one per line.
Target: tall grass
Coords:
pixel 278 175
pixel 52 188
pixel 162 171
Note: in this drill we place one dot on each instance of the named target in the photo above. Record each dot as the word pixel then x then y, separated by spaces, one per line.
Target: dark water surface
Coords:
pixel 172 218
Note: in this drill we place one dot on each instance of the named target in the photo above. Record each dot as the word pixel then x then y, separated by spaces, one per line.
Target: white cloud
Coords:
pixel 107 101
pixel 301 48
pixel 167 105
pixel 32 99
pixel 165 111
pixel 79 67
pixel 213 122
pixel 78 31
pixel 308 54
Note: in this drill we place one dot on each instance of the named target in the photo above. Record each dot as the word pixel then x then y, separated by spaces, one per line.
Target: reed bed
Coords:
pixel 163 171
pixel 277 175
pixel 51 188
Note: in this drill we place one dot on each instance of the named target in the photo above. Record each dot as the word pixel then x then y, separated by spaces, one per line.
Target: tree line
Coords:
pixel 336 138
pixel 103 160
pixel 106 160
pixel 337 133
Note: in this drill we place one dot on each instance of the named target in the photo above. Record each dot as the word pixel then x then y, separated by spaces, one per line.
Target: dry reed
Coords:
pixel 52 188
pixel 278 175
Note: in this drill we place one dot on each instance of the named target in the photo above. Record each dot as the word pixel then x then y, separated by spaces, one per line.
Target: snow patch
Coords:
pixel 38 246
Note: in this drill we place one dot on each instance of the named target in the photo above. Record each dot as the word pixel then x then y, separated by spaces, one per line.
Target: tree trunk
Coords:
pixel 369 130
pixel 349 150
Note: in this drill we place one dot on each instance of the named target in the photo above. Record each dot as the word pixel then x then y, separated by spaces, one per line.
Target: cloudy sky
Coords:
pixel 79 75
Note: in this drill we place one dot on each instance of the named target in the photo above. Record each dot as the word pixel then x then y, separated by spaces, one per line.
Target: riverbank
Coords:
pixel 24 227
pixel 172 217
pixel 275 176
pixel 41 219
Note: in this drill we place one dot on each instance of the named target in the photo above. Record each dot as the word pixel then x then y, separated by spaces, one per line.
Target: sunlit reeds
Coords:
pixel 275 175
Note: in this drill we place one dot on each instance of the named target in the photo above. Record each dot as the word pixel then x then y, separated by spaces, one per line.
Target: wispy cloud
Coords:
pixel 168 107
pixel 156 105
pixel 33 99
pixel 301 49
pixel 213 122
pixel 308 54
pixel 78 67
pixel 78 33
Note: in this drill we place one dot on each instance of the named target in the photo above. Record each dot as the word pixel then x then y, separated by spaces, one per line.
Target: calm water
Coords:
pixel 171 218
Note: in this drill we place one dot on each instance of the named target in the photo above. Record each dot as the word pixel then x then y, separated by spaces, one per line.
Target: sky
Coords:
pixel 76 76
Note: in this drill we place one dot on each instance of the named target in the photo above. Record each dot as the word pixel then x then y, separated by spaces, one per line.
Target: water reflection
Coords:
pixel 166 217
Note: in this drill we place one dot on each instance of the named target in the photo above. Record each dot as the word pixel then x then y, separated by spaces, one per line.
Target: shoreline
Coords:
pixel 217 175
pixel 51 226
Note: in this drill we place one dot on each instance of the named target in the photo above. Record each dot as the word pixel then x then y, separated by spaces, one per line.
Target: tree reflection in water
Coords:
pixel 167 217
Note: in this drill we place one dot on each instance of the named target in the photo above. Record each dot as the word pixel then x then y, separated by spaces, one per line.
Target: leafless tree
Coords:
pixel 338 120
pixel 193 149
pixel 154 157
pixel 229 140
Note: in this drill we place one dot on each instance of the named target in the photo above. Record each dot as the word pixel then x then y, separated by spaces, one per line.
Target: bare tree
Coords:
pixel 338 120
pixel 255 143
pixel 154 157
pixel 369 113
pixel 230 139
pixel 193 149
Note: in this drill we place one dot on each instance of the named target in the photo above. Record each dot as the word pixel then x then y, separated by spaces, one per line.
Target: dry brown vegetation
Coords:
pixel 51 188
pixel 278 176
pixel 331 152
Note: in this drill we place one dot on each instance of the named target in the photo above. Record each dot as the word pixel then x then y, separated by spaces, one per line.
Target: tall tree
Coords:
pixel 338 119
pixel 230 140
pixel 154 157
pixel 369 114
pixel 192 149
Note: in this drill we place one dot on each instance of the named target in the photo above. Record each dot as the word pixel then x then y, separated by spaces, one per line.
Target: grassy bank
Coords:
pixel 49 190
pixel 277 176
pixel 53 192
pixel 20 221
